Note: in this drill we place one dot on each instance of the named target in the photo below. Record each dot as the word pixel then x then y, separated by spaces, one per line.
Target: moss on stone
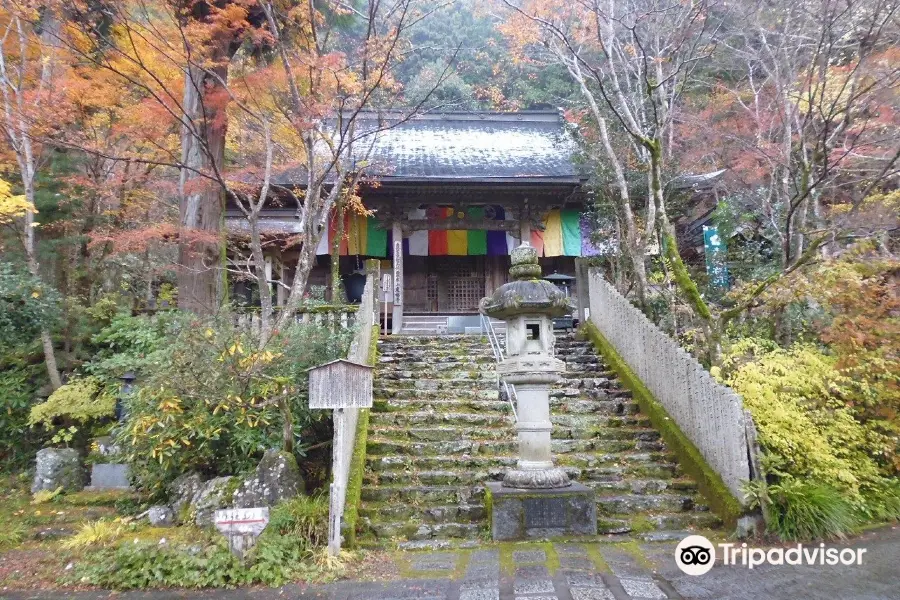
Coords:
pixel 593 552
pixel 709 483
pixel 642 524
pixel 489 510
pixel 358 461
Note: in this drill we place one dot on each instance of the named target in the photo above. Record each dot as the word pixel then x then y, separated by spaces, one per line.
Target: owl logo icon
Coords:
pixel 695 555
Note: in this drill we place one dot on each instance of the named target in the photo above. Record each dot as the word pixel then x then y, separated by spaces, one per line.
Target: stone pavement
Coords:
pixel 584 571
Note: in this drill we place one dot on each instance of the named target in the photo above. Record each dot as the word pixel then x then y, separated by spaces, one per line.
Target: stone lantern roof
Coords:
pixel 527 293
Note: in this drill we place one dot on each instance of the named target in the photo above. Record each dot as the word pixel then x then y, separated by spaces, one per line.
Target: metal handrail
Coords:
pixel 488 328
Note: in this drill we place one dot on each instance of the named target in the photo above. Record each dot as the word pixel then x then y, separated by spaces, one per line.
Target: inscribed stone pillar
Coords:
pixel 397 318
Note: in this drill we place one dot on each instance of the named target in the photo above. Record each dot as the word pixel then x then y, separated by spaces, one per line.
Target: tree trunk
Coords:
pixel 200 279
pixel 265 291
pixel 336 287
pixel 31 257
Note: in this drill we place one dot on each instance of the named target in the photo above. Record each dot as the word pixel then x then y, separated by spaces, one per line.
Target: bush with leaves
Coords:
pixel 27 305
pixel 801 404
pixel 74 412
pixel 799 510
pixel 290 549
pixel 19 383
pixel 209 400
pixel 127 343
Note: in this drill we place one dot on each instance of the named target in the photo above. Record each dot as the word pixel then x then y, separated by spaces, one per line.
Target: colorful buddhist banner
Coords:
pixel 476 239
pixel 571 232
pixel 566 232
pixel 553 243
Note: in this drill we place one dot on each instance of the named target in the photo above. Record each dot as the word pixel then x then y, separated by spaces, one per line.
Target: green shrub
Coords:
pixel 290 549
pixel 148 565
pixel 26 306
pixel 18 387
pixel 79 403
pixel 799 510
pixel 209 400
pixel 304 518
pixel 822 473
pixel 799 403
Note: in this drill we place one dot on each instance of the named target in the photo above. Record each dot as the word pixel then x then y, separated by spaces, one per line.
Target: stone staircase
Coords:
pixel 439 429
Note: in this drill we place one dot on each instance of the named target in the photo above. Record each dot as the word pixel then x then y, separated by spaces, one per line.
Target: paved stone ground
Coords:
pixel 589 571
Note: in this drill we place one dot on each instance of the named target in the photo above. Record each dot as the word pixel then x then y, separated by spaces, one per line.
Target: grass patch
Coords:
pixel 593 552
pixel 633 549
pixel 799 510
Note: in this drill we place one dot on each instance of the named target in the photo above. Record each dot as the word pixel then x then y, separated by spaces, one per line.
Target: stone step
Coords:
pixel 459 375
pixel 588 465
pixel 606 433
pixel 382 381
pixel 641 487
pixel 613 406
pixel 632 503
pixel 587 383
pixel 606 446
pixel 443 353
pixel 583 393
pixel 575 421
pixel 439 513
pixel 379 445
pixel 596 373
pixel 636 459
pixel 390 531
pixel 440 429
pixel 685 520
pixel 404 463
pixel 489 394
pixel 433 342
pixel 434 417
pixel 448 404
pixel 423 367
pixel 433 494
pixel 448 477
pixel 444 434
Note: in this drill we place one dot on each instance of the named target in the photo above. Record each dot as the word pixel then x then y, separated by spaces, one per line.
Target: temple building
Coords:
pixel 454 193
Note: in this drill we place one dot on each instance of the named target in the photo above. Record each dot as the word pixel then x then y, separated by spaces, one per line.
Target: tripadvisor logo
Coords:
pixel 696 555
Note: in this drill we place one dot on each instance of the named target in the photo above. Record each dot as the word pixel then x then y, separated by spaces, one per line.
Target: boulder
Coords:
pixel 277 478
pixel 58 468
pixel 212 496
pixel 161 516
pixel 182 491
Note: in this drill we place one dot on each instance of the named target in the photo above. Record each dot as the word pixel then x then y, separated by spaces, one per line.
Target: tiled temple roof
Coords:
pixel 477 146
pixel 490 147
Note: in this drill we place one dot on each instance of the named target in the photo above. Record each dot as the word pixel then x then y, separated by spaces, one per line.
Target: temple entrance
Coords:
pixel 444 284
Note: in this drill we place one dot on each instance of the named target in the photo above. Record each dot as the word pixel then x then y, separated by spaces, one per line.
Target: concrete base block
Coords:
pixel 109 476
pixel 535 514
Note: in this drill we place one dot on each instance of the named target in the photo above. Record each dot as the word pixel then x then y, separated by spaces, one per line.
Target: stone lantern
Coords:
pixel 535 499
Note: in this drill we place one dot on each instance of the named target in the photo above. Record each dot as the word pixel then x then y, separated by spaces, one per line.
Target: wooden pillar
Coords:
pixel 581 288
pixel 525 230
pixel 282 278
pixel 397 317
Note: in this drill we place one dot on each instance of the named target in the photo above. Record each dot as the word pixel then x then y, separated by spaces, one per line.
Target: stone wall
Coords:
pixel 709 414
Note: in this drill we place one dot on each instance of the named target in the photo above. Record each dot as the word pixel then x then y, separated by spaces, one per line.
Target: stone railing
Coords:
pixel 337 316
pixel 708 413
pixel 346 421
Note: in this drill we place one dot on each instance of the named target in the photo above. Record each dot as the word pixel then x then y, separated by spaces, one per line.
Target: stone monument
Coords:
pixel 535 499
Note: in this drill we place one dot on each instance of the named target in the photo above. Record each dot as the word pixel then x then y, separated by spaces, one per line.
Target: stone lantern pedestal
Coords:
pixel 535 499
